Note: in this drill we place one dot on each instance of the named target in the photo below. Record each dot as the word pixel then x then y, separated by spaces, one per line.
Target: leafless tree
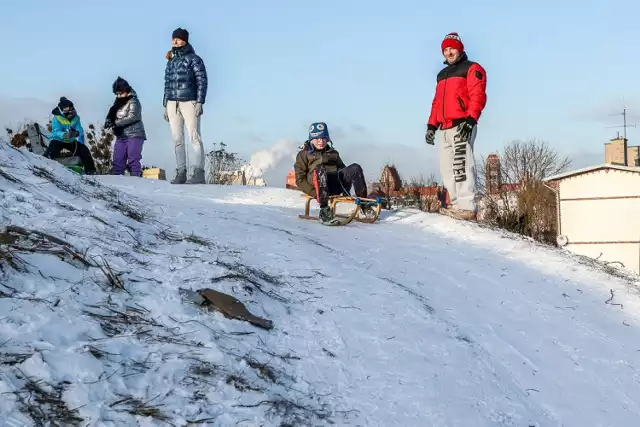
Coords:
pixel 100 147
pixel 515 197
pixel 223 165
pixel 531 161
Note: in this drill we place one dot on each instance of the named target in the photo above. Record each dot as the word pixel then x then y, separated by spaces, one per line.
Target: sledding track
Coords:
pixel 423 302
pixel 416 320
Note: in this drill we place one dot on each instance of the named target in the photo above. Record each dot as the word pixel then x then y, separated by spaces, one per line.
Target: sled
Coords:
pixel 343 219
pixel 70 161
pixel 37 145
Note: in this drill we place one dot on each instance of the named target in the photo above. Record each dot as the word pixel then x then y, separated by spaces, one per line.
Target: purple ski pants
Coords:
pixel 127 153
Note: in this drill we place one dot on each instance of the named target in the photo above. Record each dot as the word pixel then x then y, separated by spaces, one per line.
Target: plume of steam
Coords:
pixel 263 160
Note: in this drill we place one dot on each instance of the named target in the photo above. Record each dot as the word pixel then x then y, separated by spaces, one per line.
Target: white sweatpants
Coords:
pixel 181 113
pixel 458 168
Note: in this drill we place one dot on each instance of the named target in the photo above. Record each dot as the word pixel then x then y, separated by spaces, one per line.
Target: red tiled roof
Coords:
pixel 509 187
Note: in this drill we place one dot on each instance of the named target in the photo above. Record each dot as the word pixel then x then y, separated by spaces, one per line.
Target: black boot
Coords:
pixel 197 177
pixel 326 216
pixel 181 177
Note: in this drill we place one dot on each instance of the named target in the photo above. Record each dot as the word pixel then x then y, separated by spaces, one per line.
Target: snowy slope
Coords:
pixel 418 320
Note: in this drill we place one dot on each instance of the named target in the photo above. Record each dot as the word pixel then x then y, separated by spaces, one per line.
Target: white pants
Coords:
pixel 181 113
pixel 458 168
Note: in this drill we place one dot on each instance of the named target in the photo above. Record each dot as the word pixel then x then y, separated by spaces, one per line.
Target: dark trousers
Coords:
pixel 339 183
pixel 81 150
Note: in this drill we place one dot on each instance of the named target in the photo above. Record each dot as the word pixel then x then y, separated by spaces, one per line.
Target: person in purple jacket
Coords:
pixel 125 120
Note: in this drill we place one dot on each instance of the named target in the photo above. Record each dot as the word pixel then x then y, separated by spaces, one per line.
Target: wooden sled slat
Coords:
pixel 333 201
pixel 356 214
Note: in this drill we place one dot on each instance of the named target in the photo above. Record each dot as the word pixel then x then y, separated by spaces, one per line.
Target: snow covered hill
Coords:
pixel 418 320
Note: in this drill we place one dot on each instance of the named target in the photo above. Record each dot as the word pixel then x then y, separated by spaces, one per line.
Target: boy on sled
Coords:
pixel 321 173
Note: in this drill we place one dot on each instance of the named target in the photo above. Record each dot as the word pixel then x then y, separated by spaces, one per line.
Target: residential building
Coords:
pixel 618 152
pixel 598 213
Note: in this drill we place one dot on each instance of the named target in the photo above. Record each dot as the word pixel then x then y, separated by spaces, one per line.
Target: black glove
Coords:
pixel 465 128
pixel 430 136
pixel 108 124
pixel 74 133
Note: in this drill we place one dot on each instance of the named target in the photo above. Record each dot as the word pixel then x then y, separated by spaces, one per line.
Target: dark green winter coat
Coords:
pixel 308 159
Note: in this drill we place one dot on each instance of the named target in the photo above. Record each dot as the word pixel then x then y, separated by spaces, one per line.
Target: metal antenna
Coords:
pixel 624 122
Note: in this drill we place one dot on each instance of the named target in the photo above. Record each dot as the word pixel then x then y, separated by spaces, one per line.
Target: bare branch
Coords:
pixel 512 191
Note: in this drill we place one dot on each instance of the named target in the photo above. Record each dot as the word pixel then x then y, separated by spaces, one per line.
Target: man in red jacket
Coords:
pixel 458 102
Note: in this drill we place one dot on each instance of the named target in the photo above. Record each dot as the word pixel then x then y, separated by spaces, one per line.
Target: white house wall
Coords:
pixel 616 221
pixel 603 206
pixel 602 183
pixel 627 254
pixel 601 220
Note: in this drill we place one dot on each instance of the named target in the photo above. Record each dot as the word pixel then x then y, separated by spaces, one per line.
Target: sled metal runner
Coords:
pixel 344 219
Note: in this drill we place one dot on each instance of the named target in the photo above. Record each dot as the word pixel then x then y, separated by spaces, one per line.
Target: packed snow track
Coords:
pixel 418 320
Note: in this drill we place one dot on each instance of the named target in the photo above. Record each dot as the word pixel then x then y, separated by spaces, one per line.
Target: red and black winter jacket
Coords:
pixel 460 93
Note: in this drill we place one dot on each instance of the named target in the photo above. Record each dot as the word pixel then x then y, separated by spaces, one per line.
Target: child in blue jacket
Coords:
pixel 67 132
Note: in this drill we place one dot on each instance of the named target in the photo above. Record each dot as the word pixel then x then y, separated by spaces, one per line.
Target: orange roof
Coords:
pixel 291 180
pixel 509 187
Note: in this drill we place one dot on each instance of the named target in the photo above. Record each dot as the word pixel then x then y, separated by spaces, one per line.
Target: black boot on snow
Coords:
pixel 181 177
pixel 326 217
pixel 197 177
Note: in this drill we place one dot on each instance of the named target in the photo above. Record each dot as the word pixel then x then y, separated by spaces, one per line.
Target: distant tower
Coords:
pixel 492 174
pixel 390 179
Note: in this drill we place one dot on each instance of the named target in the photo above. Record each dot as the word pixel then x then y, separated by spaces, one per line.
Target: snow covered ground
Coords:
pixel 418 320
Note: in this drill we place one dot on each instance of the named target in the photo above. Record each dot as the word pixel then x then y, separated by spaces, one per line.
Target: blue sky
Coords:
pixel 556 70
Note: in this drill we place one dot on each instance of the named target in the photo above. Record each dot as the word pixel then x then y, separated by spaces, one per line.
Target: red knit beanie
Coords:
pixel 452 40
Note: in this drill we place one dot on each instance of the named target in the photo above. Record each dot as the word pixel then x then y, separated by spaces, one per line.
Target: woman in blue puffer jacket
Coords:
pixel 185 91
